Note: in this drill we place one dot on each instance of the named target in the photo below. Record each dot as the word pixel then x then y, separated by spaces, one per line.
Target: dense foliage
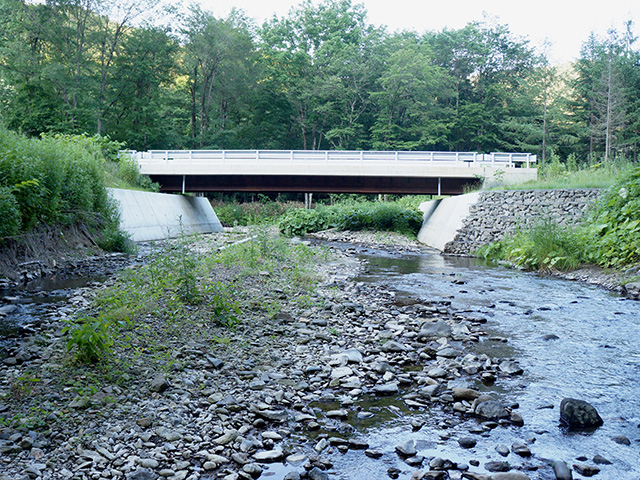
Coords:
pixel 609 236
pixel 56 180
pixel 321 77
pixel 378 216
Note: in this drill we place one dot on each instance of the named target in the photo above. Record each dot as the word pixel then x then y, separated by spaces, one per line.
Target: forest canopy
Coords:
pixel 321 77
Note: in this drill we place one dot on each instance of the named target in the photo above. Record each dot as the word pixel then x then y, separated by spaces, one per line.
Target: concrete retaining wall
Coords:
pixel 443 218
pixel 491 215
pixel 157 216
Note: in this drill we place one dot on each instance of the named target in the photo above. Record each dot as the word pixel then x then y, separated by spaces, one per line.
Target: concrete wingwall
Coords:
pixel 156 216
pixel 460 225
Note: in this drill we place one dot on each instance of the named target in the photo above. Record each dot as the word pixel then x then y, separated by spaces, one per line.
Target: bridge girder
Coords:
pixel 315 184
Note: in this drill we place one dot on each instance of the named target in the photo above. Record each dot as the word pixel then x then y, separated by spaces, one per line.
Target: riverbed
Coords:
pixel 570 339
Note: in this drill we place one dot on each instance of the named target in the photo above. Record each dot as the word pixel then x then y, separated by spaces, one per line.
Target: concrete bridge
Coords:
pixel 435 173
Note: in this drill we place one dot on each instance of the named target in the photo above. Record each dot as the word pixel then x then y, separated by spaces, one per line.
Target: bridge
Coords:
pixel 381 172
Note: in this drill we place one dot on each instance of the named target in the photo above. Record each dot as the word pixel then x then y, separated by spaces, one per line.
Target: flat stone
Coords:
pixel 393 347
pixel 509 476
pixel 434 330
pixel 142 474
pixel 497 466
pixel 465 394
pixel 268 456
pixel 341 372
pixel 386 389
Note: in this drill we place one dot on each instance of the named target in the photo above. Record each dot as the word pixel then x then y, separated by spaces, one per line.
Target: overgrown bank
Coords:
pixel 608 236
pixel 54 198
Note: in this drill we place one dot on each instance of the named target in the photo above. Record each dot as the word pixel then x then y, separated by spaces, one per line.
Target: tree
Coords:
pixel 220 60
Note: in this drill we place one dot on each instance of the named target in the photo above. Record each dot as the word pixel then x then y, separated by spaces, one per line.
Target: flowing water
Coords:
pixel 571 339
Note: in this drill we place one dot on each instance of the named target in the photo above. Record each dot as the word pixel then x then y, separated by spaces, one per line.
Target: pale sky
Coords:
pixel 566 24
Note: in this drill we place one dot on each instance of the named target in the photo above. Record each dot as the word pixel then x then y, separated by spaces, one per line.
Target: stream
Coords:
pixel 571 339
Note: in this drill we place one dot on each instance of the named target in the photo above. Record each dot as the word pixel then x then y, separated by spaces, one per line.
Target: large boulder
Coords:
pixel 578 414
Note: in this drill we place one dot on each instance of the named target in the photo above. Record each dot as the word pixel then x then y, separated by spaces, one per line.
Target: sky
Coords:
pixel 566 24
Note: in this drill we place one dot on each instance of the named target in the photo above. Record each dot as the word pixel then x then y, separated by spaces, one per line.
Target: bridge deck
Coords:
pixel 329 171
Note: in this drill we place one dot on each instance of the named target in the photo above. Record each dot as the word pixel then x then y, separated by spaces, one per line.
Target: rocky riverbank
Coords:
pixel 274 397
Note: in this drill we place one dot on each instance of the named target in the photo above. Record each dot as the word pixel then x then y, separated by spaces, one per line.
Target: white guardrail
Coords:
pixel 192 157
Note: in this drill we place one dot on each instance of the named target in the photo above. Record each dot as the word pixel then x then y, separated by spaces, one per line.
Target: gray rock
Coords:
pixel 373 453
pixel 341 372
pixel 252 469
pixel 352 355
pixel 600 460
pixel 386 389
pixel 465 394
pixel 497 466
pixel 467 442
pixel 316 474
pixel 142 474
pixel 578 414
pixel 502 450
pixel 159 384
pixel 586 470
pixel 491 410
pixel 621 440
pixel 393 347
pixel 434 330
pixel 520 448
pixel 383 367
pixel 561 471
pixel 407 449
pixel 510 368
pixel 292 476
pixel 509 476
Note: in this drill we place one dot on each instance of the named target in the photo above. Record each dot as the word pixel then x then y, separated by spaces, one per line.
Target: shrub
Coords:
pixel 379 216
pixel 91 339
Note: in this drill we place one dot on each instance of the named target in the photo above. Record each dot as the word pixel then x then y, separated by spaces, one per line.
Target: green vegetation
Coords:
pixel 191 291
pixel 609 236
pixel 320 77
pixel 378 216
pixel 56 180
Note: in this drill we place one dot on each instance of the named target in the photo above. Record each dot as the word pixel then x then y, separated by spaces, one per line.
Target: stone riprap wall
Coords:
pixel 499 212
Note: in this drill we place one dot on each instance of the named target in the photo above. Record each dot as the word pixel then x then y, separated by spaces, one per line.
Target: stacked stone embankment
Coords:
pixel 500 212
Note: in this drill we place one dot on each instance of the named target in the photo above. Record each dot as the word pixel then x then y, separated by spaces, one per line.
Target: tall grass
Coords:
pixel 556 174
